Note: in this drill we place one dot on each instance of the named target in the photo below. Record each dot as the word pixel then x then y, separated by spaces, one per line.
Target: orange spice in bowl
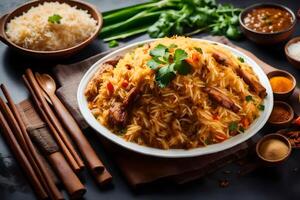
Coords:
pixel 281 84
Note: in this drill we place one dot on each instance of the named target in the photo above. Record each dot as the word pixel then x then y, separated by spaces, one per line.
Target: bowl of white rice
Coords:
pixel 51 28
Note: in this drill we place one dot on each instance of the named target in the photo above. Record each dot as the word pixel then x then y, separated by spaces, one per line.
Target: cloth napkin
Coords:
pixel 137 169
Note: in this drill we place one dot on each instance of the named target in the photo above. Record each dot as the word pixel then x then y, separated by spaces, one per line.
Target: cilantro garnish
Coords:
pixel 261 107
pixel 241 129
pixel 249 98
pixel 167 65
pixel 113 43
pixel 54 19
pixel 233 126
pixel 198 49
pixel 241 59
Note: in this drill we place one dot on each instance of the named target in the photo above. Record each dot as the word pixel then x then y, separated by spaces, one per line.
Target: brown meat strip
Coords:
pixel 113 62
pixel 254 85
pixel 119 111
pixel 221 99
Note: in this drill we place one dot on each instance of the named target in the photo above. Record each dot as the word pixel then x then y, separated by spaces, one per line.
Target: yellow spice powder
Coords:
pixel 274 149
pixel 281 84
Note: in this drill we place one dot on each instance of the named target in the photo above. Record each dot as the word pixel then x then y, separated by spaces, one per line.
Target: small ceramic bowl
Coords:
pixel 284 123
pixel 266 38
pixel 50 54
pixel 292 60
pixel 274 136
pixel 283 95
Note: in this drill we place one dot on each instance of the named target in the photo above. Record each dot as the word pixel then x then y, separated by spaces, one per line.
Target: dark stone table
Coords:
pixel 282 182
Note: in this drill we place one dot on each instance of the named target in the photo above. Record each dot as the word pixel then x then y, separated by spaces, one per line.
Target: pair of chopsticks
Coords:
pixel 98 170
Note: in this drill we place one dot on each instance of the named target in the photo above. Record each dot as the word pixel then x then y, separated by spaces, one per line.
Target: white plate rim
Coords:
pixel 175 153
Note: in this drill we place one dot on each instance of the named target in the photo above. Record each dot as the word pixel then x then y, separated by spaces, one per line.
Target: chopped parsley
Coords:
pixel 241 129
pixel 249 98
pixel 172 46
pixel 198 49
pixel 233 126
pixel 261 107
pixel 241 59
pixel 54 19
pixel 113 43
pixel 166 65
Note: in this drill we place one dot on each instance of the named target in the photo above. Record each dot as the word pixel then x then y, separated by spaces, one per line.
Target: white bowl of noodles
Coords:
pixel 254 127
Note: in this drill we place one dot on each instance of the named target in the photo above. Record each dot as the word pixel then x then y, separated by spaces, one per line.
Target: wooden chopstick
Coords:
pixel 28 148
pixel 22 159
pixel 60 135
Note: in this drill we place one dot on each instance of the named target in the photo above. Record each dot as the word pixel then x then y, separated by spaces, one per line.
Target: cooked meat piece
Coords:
pixel 221 99
pixel 92 88
pixel 119 111
pixel 219 58
pixel 254 85
pixel 118 115
pixel 132 96
pixel 113 62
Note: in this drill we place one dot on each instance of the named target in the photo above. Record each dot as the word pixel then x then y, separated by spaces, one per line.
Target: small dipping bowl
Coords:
pixel 281 73
pixel 295 62
pixel 273 145
pixel 281 108
pixel 266 38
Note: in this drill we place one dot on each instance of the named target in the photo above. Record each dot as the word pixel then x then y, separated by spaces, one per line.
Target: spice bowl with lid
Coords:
pixel 273 149
pixel 282 114
pixel 292 51
pixel 283 83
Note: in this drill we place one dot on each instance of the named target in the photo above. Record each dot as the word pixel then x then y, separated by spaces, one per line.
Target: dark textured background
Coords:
pixel 282 182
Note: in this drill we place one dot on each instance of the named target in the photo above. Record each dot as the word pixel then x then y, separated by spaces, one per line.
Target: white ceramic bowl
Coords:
pixel 175 153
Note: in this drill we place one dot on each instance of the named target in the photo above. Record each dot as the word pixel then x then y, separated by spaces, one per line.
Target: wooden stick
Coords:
pixel 35 92
pixel 29 149
pixel 71 182
pixel 23 161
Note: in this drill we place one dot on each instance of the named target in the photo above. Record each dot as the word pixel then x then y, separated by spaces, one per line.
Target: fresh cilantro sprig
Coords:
pixel 54 19
pixel 167 65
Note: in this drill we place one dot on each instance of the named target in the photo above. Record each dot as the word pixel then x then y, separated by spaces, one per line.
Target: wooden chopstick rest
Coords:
pixel 19 130
pixel 40 107
pixel 23 161
pixel 48 146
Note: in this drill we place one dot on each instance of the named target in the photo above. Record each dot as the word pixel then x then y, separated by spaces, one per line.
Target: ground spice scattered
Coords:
pixel 223 183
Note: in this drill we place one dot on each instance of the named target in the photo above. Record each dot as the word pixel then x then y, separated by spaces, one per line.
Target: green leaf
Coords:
pixel 261 107
pixel 233 126
pixel 241 129
pixel 249 98
pixel 180 55
pixel 183 67
pixel 172 46
pixel 153 64
pixel 113 43
pixel 159 51
pixel 241 59
pixel 164 76
pixel 54 19
pixel 198 49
